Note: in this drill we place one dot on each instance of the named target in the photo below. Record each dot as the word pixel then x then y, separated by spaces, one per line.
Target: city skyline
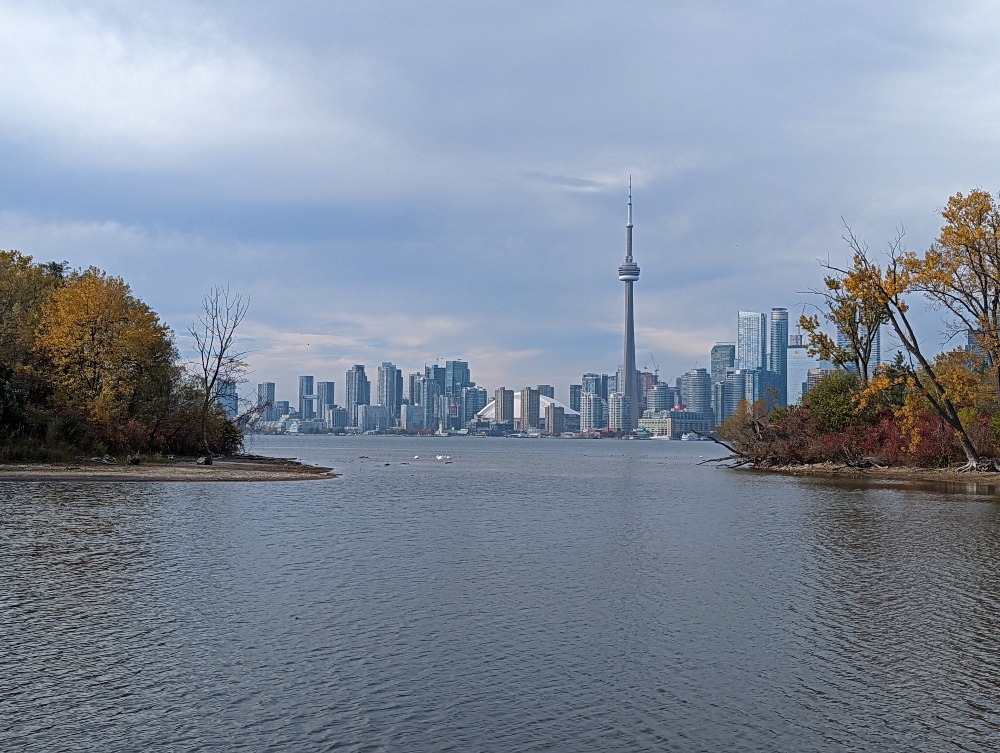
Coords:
pixel 424 182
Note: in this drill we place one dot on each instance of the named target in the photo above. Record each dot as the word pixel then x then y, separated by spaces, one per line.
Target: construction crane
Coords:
pixel 656 367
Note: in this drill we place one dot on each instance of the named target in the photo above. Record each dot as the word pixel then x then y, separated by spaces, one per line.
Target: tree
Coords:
pixel 219 360
pixel 961 271
pixel 24 287
pixel 856 319
pixel 107 353
pixel 890 286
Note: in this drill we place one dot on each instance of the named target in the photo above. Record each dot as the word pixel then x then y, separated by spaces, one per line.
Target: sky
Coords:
pixel 415 182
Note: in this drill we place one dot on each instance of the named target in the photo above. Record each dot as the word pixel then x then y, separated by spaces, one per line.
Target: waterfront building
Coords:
pixel 439 374
pixel 620 412
pixel 574 396
pixel 307 398
pixel 324 399
pixel 428 391
pixel 473 400
pixel 281 408
pixel 675 423
pixel 696 390
pixel 593 412
pixel 503 402
pixel 628 385
pixel 555 418
pixel 778 355
pixel 411 417
pixel 265 401
pixel 372 418
pixel 530 402
pixel 389 391
pixel 751 341
pixel 358 391
pixel 548 390
pixel 336 417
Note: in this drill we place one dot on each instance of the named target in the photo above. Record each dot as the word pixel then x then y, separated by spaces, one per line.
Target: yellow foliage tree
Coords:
pixel 107 352
pixel 24 287
pixel 961 271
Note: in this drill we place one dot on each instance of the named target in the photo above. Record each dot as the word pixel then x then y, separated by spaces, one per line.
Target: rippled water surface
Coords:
pixel 529 595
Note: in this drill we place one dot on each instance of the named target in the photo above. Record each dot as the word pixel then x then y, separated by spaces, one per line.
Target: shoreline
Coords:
pixel 238 468
pixel 943 476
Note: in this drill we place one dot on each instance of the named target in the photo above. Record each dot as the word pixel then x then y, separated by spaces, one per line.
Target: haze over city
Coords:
pixel 418 182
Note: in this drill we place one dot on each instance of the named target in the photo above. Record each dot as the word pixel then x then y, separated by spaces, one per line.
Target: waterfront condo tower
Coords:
pixel 629 273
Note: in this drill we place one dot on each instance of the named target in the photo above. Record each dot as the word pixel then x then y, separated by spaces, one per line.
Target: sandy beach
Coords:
pixel 239 468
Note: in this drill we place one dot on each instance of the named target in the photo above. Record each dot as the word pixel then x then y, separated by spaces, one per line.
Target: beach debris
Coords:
pixel 106 460
pixel 133 459
pixel 204 460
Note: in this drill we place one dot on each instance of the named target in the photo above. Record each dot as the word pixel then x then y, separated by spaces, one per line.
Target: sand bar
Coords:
pixel 237 468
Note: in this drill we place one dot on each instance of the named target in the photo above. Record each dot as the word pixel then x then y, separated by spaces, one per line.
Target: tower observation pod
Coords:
pixel 628 273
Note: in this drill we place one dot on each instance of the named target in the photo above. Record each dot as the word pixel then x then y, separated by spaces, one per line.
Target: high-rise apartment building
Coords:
pixel 555 419
pixel 620 412
pixel 504 406
pixel 547 390
pixel 473 401
pixel 593 412
pixel 389 390
pixel 530 409
pixel 324 399
pixel 778 354
pixel 307 397
pixel 696 390
pixel 751 341
pixel 723 358
pixel 574 396
pixel 265 401
pixel 358 391
pixel 225 395
pixel 428 392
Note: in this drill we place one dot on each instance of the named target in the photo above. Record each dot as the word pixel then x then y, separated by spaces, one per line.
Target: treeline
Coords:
pixel 87 368
pixel 924 409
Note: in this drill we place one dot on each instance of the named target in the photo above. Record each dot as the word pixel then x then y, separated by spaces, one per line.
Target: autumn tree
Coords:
pixel 960 272
pixel 857 320
pixel 890 287
pixel 108 355
pixel 24 287
pixel 220 361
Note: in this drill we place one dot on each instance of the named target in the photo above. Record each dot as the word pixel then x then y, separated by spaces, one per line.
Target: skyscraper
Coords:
pixel 390 389
pixel 628 273
pixel 456 376
pixel 307 397
pixel 265 399
pixel 592 412
pixel 723 358
pixel 778 355
pixel 574 396
pixel 358 392
pixel 504 406
pixel 696 390
pixel 530 408
pixel 751 341
pixel 324 399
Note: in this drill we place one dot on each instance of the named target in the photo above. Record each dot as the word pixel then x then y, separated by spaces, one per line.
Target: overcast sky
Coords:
pixel 412 181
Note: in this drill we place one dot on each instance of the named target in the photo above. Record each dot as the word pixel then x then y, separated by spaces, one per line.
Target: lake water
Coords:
pixel 529 595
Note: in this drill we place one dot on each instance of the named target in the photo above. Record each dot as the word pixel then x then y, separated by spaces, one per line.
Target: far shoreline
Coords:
pixel 241 468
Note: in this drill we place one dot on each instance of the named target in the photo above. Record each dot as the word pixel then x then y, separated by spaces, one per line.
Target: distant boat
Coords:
pixel 690 436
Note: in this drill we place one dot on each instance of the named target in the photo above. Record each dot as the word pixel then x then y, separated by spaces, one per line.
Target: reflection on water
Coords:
pixel 532 594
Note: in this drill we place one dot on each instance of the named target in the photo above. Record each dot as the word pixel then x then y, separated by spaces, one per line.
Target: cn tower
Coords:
pixel 629 273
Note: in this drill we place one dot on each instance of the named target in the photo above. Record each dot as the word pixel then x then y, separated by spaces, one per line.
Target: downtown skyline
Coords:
pixel 432 183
